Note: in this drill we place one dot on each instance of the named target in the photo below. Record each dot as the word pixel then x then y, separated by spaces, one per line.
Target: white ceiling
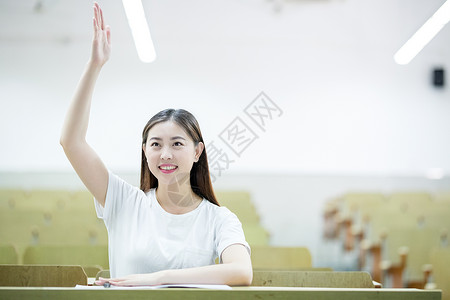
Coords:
pixel 367 21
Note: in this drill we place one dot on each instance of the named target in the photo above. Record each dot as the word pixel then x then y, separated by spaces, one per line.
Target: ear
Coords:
pixel 198 151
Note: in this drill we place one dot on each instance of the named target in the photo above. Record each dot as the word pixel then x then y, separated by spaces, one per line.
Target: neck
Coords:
pixel 176 198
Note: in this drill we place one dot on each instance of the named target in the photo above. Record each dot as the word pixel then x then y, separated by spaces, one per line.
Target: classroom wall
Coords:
pixel 348 118
pixel 347 108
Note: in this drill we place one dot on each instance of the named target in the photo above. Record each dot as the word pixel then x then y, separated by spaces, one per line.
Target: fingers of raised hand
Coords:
pixel 95 19
pixel 102 20
pixel 99 23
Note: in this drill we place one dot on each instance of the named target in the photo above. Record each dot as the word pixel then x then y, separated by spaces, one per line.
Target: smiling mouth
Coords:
pixel 167 169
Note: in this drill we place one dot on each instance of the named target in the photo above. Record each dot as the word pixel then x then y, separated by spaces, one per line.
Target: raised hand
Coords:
pixel 101 44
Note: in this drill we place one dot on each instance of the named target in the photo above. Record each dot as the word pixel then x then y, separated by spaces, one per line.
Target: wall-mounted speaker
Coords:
pixel 438 77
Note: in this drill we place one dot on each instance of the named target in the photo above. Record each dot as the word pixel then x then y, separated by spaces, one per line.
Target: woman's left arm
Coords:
pixel 236 269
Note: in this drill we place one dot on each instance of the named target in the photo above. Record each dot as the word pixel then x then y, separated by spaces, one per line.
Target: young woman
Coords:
pixel 172 229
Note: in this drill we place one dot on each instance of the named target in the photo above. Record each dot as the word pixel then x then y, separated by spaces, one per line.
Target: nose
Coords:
pixel 166 153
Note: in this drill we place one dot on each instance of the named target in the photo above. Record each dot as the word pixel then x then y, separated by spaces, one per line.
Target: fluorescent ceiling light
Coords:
pixel 139 29
pixel 424 35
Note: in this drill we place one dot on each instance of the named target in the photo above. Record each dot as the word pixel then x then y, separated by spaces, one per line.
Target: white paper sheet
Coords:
pixel 153 287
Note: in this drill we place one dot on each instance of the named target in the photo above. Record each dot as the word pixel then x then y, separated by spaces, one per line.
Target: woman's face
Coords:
pixel 170 153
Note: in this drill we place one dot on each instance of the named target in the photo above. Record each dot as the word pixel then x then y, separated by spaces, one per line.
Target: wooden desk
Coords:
pixel 7 293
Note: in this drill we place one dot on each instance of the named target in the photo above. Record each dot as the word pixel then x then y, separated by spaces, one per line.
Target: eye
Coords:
pixel 154 144
pixel 177 144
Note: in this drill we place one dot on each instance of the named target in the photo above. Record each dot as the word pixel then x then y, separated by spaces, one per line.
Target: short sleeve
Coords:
pixel 228 232
pixel 118 191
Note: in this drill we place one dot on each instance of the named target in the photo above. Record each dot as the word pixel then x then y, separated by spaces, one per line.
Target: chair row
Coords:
pixel 370 216
pixel 77 231
pixel 404 256
pixel 92 258
pixel 42 217
pixel 27 228
pixel 359 208
pixel 48 203
pixel 392 234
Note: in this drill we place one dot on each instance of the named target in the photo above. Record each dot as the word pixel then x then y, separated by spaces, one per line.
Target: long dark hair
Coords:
pixel 200 178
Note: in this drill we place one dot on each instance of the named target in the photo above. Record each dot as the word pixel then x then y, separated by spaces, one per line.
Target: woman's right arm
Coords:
pixel 83 158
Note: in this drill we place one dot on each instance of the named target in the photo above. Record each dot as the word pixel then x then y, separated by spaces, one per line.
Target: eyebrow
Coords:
pixel 173 138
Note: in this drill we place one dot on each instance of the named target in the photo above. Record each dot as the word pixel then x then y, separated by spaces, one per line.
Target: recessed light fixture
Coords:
pixel 139 29
pixel 424 35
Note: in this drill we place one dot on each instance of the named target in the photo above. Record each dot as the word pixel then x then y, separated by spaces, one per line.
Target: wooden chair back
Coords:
pixel 322 279
pixel 280 258
pixel 440 261
pixel 67 255
pixel 8 254
pixel 42 276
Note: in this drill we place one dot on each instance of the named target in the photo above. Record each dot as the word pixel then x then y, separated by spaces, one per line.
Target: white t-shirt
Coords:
pixel 144 238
